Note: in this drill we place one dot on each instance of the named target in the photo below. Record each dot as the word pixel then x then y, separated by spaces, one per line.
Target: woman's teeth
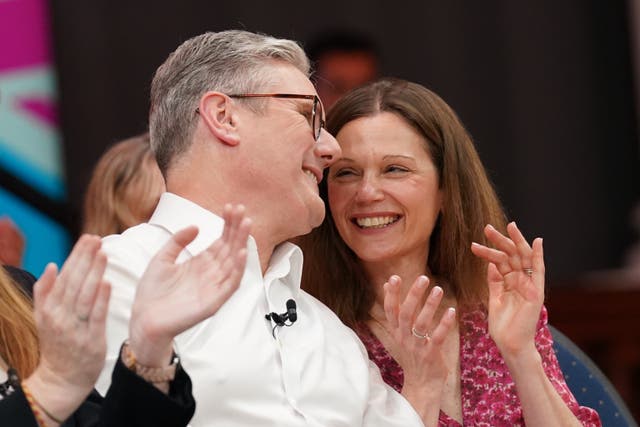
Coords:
pixel 376 222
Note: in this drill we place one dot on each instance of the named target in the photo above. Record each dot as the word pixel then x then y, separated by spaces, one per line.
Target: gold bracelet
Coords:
pixel 34 404
pixel 152 375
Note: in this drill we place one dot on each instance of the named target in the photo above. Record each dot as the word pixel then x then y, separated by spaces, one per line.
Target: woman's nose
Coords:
pixel 369 190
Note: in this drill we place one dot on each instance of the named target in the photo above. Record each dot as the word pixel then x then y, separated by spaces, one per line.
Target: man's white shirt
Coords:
pixel 313 373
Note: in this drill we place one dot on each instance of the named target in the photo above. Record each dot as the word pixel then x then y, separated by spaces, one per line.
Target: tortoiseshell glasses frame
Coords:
pixel 317 111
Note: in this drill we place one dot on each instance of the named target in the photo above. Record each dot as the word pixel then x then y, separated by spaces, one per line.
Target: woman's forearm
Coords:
pixel 541 403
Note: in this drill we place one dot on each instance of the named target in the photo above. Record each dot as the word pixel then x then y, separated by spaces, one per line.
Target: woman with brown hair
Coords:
pixel 124 189
pixel 458 327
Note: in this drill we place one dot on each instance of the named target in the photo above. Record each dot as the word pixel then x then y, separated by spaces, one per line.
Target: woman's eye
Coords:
pixel 343 172
pixel 396 169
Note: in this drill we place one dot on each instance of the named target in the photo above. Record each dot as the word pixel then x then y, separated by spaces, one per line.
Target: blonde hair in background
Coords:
pixel 18 333
pixel 124 189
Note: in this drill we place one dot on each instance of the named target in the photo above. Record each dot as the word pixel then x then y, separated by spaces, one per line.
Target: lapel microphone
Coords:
pixel 281 319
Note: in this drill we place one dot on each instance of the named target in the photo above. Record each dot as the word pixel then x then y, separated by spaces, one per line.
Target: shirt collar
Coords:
pixel 174 213
pixel 286 260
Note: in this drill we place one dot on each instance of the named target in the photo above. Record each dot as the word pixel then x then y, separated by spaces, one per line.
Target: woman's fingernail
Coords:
pixel 436 291
pixel 422 281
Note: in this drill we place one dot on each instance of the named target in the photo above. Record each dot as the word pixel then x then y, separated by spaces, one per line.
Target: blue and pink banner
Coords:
pixel 30 141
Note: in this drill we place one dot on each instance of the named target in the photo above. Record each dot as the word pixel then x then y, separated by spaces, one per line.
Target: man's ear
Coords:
pixel 218 113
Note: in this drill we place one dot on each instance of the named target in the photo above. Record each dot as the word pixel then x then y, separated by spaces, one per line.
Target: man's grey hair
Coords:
pixel 230 62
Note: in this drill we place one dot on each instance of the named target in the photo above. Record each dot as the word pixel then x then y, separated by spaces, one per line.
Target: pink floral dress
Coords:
pixel 489 395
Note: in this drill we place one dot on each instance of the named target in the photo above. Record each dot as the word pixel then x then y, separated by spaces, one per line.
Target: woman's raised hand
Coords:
pixel 515 275
pixel 421 354
pixel 70 314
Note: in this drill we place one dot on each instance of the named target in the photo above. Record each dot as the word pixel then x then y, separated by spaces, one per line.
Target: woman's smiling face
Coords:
pixel 384 193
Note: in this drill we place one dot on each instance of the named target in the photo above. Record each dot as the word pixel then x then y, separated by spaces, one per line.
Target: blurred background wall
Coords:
pixel 33 194
pixel 545 87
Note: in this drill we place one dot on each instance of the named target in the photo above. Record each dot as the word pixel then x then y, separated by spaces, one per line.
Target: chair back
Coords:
pixel 588 384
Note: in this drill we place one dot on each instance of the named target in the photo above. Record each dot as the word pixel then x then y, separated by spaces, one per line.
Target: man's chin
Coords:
pixel 315 218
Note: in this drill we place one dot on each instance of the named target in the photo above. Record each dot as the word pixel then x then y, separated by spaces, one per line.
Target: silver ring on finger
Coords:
pixel 82 318
pixel 528 271
pixel 417 334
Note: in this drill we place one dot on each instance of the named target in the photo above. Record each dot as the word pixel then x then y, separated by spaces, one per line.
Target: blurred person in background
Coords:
pixel 342 60
pixel 124 189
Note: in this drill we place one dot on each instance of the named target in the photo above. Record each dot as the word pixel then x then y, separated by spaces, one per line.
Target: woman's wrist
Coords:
pixel 151 347
pixel 526 362
pixel 52 397
pixel 425 400
pixel 153 356
pixel 158 375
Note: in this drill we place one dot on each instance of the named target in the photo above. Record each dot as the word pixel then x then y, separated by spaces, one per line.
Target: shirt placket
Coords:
pixel 277 293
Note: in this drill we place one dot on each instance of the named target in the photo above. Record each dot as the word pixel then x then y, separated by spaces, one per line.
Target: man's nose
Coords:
pixel 327 148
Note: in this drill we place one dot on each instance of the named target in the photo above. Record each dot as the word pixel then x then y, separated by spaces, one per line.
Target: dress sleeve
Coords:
pixel 544 343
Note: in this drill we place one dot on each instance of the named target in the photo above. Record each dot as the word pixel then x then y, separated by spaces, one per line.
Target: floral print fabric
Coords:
pixel 489 395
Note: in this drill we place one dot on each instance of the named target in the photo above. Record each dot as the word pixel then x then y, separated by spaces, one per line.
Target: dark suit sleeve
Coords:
pixel 15 411
pixel 134 402
pixel 88 414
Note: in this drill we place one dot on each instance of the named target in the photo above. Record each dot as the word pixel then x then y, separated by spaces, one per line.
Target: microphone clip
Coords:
pixel 281 319
pixel 278 319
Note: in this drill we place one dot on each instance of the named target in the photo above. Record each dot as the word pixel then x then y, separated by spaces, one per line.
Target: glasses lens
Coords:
pixel 317 118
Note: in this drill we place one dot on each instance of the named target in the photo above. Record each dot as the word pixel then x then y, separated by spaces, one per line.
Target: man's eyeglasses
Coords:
pixel 317 111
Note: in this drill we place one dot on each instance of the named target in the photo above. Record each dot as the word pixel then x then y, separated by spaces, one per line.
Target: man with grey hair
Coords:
pixel 235 119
